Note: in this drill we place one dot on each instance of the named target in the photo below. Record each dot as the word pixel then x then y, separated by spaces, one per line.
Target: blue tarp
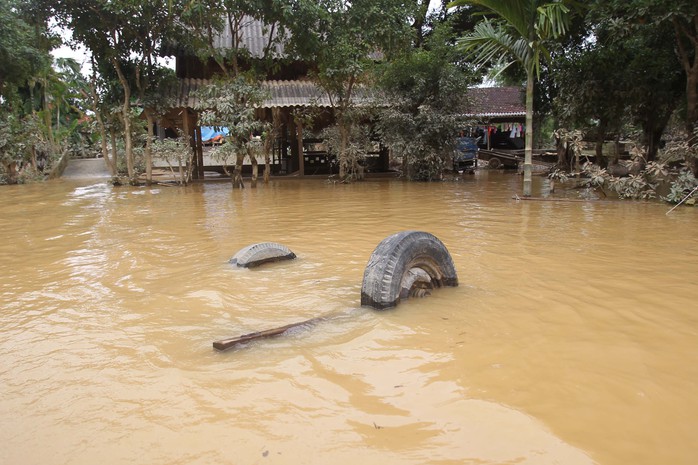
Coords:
pixel 209 132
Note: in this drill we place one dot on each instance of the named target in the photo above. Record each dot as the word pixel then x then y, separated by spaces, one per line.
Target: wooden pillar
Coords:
pixel 161 129
pixel 193 132
pixel 186 125
pixel 383 158
pixel 199 149
pixel 188 132
pixel 301 156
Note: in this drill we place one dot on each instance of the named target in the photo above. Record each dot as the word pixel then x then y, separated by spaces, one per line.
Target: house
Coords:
pixel 500 113
pixel 295 150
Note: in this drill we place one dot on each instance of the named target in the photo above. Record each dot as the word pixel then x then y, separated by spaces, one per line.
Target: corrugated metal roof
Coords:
pixel 488 102
pixel 253 36
pixel 184 94
pixel 295 94
pixel 282 94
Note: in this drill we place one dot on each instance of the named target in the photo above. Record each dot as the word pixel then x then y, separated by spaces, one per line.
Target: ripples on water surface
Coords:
pixel 571 340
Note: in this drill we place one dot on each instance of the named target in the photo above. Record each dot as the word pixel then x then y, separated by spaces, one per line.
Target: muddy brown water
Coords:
pixel 572 338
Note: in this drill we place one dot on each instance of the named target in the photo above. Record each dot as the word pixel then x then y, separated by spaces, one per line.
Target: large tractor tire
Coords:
pixel 262 252
pixel 406 264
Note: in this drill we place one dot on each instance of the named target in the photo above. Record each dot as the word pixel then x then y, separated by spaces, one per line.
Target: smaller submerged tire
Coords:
pixel 406 264
pixel 495 163
pixel 260 253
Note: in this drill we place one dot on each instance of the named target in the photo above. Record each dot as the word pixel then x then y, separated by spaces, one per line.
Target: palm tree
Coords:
pixel 519 34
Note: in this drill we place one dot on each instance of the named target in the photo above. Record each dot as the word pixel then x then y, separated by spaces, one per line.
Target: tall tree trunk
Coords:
pixel 344 161
pixel 420 19
pixel 94 101
pixel 528 153
pixel 32 152
pixel 687 36
pixel 126 117
pixel 600 138
pixel 600 158
pixel 181 170
pixel 255 168
pixel 299 140
pixel 114 149
pixel 692 101
pixel 692 109
pixel 268 146
pixel 149 147
pixel 269 141
pixel 563 155
pixel 111 160
pixel 652 131
pixel 12 173
pixel 47 120
pixel 237 172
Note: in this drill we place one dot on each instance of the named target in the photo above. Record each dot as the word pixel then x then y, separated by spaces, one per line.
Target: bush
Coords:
pixel 176 153
pixel 644 185
pixel 683 187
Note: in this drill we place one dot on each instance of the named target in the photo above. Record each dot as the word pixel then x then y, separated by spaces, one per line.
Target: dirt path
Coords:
pixel 86 168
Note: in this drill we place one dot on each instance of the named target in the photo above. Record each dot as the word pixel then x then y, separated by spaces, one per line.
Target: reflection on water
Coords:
pixel 571 339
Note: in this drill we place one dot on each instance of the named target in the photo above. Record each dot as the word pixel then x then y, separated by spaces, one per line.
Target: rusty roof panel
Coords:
pixel 496 102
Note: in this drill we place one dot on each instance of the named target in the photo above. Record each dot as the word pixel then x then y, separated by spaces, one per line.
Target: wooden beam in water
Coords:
pixel 225 344
pixel 552 199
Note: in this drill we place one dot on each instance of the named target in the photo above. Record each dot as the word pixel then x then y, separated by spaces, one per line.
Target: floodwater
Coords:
pixel 572 338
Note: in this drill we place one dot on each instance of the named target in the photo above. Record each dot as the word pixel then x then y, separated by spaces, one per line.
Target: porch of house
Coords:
pixel 297 150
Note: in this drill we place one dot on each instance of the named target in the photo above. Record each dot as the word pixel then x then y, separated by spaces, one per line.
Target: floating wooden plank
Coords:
pixel 225 344
pixel 553 199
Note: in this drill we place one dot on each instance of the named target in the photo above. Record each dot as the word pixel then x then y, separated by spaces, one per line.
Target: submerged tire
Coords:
pixel 406 264
pixel 495 163
pixel 262 252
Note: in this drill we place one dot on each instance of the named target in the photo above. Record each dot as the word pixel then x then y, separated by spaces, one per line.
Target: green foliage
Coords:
pixel 224 155
pixel 205 19
pixel 177 153
pixel 683 189
pixel 10 151
pixel 33 94
pixel 24 151
pixel 679 16
pixel 646 184
pixel 20 56
pixel 425 167
pixel 635 186
pixel 620 78
pixel 520 33
pixel 357 147
pixel 125 38
pixel 681 150
pixel 424 91
pixel 345 40
pixel 423 139
pixel 232 103
pixel 559 175
pixel 155 98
